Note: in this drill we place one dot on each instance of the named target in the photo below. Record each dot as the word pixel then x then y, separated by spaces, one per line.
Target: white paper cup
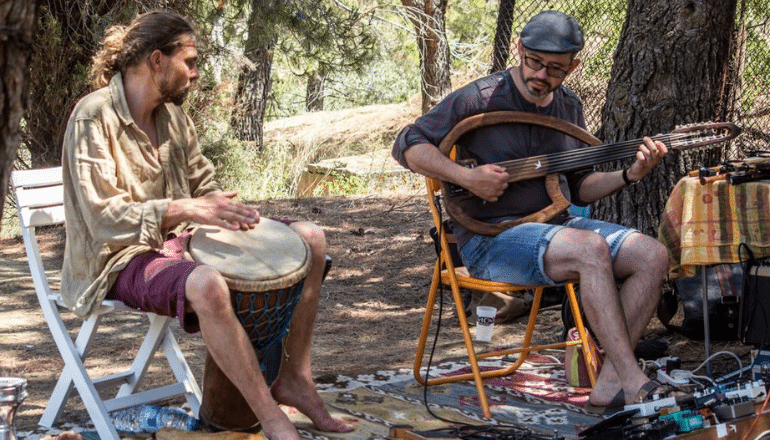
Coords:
pixel 485 322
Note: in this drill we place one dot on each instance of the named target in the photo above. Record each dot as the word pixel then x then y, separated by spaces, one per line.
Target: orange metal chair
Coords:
pixel 457 278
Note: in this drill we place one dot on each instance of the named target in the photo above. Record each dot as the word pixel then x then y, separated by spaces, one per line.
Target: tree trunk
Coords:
pixel 502 47
pixel 668 70
pixel 314 94
pixel 18 19
pixel 253 85
pixel 429 20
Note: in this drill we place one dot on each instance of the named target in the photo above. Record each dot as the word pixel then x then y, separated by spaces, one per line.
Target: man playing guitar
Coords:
pixel 620 270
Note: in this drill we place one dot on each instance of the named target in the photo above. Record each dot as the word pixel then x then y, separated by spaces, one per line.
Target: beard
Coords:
pixel 173 93
pixel 535 88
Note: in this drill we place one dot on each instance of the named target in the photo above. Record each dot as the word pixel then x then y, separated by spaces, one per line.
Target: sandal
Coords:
pixel 645 393
pixel 616 405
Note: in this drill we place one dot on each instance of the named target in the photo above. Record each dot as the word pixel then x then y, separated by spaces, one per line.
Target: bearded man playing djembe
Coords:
pixel 134 179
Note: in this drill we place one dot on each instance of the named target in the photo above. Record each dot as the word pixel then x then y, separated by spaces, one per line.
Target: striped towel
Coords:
pixel 704 224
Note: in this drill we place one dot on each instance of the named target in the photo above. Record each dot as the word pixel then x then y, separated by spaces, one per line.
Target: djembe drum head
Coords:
pixel 265 269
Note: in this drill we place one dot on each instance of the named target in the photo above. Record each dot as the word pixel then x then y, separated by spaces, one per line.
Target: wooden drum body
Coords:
pixel 265 268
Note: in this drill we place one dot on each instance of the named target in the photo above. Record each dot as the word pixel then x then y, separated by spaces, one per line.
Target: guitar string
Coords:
pixel 589 155
pixel 600 149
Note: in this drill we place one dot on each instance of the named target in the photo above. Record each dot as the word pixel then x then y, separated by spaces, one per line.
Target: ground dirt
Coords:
pixel 370 310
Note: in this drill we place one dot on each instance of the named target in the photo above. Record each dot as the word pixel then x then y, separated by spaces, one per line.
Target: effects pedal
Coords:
pixel 761 365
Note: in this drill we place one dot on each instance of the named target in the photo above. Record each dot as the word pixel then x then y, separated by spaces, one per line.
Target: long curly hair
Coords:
pixel 126 46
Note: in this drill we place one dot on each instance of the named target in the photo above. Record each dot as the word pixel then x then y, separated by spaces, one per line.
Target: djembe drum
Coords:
pixel 264 268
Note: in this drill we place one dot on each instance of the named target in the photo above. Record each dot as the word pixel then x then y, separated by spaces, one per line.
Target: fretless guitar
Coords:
pixel 551 165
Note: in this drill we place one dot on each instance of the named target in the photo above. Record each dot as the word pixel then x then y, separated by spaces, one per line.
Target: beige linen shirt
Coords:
pixel 116 192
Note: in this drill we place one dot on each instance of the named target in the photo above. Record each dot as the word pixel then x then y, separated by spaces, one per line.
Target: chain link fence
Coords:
pixel 748 105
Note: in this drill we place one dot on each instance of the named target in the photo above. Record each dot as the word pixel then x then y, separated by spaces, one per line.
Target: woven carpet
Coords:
pixel 536 397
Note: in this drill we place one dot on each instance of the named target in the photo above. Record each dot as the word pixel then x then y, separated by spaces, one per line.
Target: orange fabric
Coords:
pixel 704 224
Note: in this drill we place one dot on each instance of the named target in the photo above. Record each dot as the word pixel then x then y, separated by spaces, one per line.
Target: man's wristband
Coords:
pixel 626 179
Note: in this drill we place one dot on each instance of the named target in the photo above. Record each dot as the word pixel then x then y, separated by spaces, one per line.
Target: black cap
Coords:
pixel 552 32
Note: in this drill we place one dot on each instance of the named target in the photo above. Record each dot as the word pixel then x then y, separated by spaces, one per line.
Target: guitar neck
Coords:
pixel 573 160
pixel 582 158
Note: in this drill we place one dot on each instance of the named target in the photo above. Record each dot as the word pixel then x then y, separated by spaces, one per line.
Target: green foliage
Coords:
pixel 272 172
pixel 755 74
pixel 57 77
pixel 388 76
pixel 342 183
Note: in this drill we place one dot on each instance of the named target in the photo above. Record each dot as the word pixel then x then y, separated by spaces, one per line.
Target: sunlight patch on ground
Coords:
pixel 11 321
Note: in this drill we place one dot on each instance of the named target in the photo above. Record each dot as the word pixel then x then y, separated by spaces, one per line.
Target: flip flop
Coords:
pixel 616 405
pixel 645 392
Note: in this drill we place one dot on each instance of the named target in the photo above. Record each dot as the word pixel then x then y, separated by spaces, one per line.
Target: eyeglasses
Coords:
pixel 536 65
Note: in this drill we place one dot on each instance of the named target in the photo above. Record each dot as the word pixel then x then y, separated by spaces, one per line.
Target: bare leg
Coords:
pixel 209 297
pixel 294 385
pixel 642 262
pixel 584 255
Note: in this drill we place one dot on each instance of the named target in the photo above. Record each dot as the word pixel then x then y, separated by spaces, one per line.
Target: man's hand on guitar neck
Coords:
pixel 650 154
pixel 601 184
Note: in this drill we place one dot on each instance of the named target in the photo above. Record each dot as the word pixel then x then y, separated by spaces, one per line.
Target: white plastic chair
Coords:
pixel 39 197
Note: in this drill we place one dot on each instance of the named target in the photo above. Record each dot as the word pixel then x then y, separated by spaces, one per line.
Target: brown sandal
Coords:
pixel 646 391
pixel 616 405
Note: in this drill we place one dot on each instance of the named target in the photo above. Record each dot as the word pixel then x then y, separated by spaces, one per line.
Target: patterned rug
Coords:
pixel 536 397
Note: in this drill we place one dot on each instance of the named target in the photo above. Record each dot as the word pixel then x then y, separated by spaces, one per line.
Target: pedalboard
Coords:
pixel 677 415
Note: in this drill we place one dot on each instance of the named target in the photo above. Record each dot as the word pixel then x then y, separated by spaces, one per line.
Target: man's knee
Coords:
pixel 206 290
pixel 593 248
pixel 313 234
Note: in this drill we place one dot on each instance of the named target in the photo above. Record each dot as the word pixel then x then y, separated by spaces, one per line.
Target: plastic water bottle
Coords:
pixel 151 418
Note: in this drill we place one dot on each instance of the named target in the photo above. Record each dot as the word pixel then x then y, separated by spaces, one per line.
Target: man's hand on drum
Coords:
pixel 220 209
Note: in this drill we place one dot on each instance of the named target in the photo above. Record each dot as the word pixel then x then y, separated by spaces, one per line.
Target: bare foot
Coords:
pixel 279 427
pixel 305 398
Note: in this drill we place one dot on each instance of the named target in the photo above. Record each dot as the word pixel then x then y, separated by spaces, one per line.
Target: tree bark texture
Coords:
pixel 251 96
pixel 502 45
pixel 17 27
pixel 254 84
pixel 429 21
pixel 668 70
pixel 314 94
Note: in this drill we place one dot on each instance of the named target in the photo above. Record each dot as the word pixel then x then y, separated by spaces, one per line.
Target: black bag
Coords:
pixel 755 304
pixel 724 283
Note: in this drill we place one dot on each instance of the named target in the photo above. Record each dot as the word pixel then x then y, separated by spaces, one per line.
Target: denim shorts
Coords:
pixel 516 254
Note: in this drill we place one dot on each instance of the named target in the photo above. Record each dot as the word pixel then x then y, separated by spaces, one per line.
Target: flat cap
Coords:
pixel 552 32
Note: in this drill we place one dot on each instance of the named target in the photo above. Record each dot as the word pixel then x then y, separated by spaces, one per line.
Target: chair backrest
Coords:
pixel 39 196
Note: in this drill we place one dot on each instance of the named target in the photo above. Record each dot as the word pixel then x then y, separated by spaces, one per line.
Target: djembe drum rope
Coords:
pixel 268 328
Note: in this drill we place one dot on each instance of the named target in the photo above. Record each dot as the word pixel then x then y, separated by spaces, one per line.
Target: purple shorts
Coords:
pixel 155 281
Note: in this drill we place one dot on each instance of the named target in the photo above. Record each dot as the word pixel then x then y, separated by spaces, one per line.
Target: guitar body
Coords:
pixel 558 202
pixel 551 165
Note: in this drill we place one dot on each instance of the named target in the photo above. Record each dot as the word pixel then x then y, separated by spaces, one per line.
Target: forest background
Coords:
pixel 648 66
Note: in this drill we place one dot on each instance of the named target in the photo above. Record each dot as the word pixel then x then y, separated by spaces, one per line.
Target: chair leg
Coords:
pixel 65 384
pixel 471 350
pixel 74 374
pixel 427 318
pixel 182 371
pixel 152 340
pixel 476 371
pixel 587 354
